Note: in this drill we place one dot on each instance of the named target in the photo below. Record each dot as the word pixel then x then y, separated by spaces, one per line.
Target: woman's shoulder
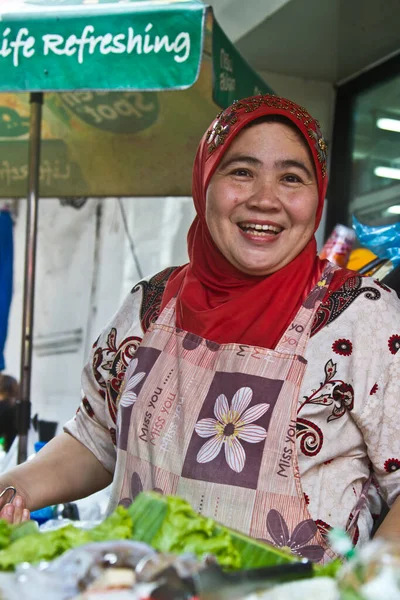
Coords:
pixel 146 297
pixel 356 332
pixel 120 338
pixel 358 301
pixel 141 305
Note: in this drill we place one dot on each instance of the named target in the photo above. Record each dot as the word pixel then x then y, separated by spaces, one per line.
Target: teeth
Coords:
pixel 259 227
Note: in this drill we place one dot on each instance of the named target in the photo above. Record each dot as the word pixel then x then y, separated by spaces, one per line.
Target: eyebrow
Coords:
pixel 233 158
pixel 290 162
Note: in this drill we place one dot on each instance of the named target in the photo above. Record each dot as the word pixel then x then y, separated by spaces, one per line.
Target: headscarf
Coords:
pixel 214 299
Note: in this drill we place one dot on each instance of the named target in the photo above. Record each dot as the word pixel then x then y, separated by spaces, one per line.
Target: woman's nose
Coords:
pixel 265 195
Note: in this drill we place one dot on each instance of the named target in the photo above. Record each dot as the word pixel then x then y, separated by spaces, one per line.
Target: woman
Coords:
pixel 246 381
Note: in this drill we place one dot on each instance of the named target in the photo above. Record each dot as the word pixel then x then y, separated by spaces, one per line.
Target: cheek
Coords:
pixel 235 201
pixel 313 217
pixel 307 211
pixel 216 203
pixel 210 208
pixel 212 213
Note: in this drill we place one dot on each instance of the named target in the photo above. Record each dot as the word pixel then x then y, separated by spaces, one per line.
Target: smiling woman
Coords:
pixel 258 382
pixel 258 167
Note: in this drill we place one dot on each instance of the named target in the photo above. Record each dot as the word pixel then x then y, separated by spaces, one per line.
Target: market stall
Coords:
pixel 135 56
pixel 159 548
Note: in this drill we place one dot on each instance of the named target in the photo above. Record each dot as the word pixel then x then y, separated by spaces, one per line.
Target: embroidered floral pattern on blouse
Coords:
pixel 340 300
pixel 152 293
pixel 392 465
pixel 374 389
pixel 231 425
pixel 394 343
pixel 297 542
pixel 323 527
pixel 343 395
pixel 117 361
pixel 342 347
pixel 88 407
pixel 311 437
pixel 332 392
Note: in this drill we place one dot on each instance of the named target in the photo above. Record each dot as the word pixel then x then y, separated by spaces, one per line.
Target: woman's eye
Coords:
pixel 292 178
pixel 241 172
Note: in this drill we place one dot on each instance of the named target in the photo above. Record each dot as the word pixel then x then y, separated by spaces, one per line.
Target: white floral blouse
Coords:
pixel 347 427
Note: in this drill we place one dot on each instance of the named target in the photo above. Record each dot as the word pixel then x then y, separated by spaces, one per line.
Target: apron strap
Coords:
pixel 296 336
pixel 361 503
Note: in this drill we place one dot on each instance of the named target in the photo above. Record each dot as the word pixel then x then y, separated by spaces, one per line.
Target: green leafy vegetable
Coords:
pixel 183 530
pixel 47 545
pixel 170 524
pixel 118 526
pixel 5 533
pixel 23 529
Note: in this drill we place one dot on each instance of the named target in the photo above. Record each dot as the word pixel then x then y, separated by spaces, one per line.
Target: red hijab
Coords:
pixel 214 299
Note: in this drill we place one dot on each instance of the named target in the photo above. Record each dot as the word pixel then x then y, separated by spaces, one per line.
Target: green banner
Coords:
pixel 233 77
pixel 58 45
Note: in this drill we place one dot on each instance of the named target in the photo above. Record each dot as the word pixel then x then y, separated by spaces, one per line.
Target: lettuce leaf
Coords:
pixel 23 529
pixel 47 545
pixel 184 530
pixel 5 533
pixel 170 524
pixel 118 526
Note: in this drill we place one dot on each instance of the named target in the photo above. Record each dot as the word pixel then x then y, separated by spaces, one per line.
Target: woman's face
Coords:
pixel 262 199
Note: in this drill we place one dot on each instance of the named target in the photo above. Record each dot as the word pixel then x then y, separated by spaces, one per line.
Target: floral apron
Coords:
pixel 216 425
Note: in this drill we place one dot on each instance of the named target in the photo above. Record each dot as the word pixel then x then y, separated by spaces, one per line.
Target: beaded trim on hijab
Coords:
pixel 217 135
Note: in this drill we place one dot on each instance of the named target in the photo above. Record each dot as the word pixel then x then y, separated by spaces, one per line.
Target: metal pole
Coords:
pixel 24 402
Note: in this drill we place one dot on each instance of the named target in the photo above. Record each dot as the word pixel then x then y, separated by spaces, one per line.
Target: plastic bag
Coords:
pixel 373 573
pixel 65 577
pixel 382 240
pixel 323 588
pixel 89 566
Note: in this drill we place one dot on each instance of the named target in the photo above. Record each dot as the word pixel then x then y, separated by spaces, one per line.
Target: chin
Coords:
pixel 257 268
pixel 256 271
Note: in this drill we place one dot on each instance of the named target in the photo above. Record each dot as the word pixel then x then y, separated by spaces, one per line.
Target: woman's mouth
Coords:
pixel 260 230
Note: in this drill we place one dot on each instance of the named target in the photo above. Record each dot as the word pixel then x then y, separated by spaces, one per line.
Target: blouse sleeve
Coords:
pixel 94 424
pixel 379 423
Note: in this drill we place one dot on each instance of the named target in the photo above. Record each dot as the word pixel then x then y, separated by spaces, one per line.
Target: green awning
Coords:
pixel 131 85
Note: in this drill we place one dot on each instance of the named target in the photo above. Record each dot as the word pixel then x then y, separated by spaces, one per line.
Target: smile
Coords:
pixel 259 229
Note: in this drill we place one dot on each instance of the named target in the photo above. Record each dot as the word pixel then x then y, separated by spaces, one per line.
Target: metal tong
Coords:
pixel 7 496
pixel 212 583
